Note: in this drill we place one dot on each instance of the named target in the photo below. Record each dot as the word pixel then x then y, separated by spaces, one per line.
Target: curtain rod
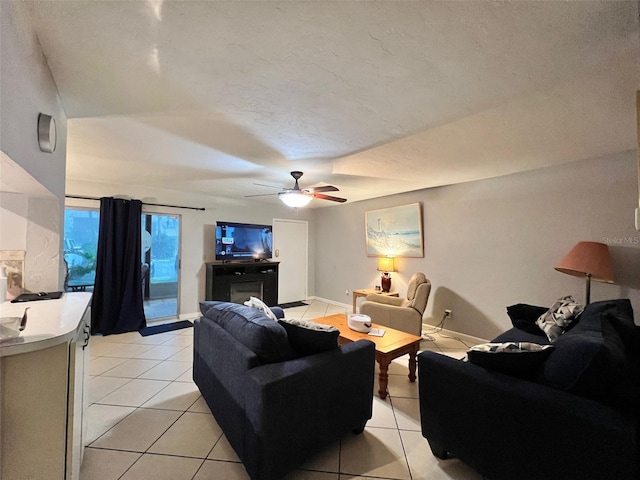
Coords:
pixel 80 197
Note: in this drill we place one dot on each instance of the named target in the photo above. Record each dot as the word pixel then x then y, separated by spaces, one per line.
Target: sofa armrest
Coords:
pixel 407 319
pixel 499 425
pixel 297 385
pixel 300 406
pixel 212 347
pixel 384 299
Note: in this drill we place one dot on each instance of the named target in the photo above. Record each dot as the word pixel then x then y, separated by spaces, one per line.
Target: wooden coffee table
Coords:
pixel 392 345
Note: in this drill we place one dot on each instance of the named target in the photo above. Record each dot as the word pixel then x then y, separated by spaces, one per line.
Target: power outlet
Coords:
pixel 448 313
pixel 346 291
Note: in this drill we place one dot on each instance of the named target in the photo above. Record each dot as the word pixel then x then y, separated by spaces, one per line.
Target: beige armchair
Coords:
pixel 403 314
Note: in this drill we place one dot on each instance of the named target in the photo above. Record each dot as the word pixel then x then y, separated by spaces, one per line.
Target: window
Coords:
pixel 160 251
pixel 80 246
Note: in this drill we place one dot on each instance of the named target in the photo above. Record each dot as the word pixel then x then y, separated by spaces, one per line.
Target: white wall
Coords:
pixel 27 89
pixel 198 228
pixel 13 221
pixel 494 243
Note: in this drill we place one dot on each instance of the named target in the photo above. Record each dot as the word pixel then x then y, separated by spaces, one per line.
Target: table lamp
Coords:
pixel 386 265
pixel 590 260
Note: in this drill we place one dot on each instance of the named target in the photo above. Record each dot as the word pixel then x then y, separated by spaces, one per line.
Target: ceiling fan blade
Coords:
pixel 329 197
pixel 270 186
pixel 309 192
pixel 324 188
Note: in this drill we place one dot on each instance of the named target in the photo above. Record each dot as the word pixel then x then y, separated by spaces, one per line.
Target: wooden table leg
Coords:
pixel 412 364
pixel 383 379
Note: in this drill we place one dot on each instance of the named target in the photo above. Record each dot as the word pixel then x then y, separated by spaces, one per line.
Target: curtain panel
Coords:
pixel 117 305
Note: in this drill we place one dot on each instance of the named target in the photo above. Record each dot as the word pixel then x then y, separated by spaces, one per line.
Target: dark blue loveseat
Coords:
pixel 276 407
pixel 573 417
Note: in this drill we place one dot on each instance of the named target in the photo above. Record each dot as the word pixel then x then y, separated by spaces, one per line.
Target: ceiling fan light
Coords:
pixel 293 199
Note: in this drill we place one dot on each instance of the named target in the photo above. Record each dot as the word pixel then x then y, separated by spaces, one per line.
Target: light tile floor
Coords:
pixel 147 419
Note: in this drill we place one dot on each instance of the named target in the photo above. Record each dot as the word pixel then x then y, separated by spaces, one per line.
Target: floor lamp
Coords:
pixel 590 260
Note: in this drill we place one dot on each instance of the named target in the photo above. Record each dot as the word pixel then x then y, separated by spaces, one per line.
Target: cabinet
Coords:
pixel 78 400
pixel 42 391
pixel 236 282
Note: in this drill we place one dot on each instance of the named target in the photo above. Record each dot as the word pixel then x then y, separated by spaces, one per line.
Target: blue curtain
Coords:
pixel 117 304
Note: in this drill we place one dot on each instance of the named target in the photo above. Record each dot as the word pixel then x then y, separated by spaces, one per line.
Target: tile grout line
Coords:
pixel 404 450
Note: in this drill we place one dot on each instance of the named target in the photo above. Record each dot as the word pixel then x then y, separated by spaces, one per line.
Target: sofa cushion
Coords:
pixel 517 335
pixel 589 359
pixel 277 311
pixel 264 337
pixel 206 306
pixel 524 316
pixel 514 358
pixel 555 321
pixel 307 338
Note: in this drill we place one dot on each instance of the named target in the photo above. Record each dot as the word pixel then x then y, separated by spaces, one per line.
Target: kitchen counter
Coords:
pixel 49 322
pixel 43 374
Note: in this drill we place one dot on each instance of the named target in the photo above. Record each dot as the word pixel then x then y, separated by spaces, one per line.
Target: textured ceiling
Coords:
pixel 372 97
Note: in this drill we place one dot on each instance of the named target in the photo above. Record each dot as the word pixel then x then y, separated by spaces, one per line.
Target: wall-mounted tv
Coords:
pixel 243 241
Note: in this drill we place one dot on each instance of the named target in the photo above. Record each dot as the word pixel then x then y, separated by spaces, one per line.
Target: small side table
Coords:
pixel 363 292
pixel 76 286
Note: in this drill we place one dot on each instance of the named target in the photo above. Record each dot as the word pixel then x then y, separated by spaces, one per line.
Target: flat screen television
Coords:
pixel 243 241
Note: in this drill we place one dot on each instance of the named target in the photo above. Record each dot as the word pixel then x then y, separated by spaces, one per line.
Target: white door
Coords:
pixel 290 248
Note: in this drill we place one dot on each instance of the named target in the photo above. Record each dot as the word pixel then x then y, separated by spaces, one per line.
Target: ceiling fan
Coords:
pixel 297 197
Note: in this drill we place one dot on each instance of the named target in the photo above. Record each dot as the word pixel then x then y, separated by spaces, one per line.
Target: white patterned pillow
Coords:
pixel 514 358
pixel 557 319
pixel 258 304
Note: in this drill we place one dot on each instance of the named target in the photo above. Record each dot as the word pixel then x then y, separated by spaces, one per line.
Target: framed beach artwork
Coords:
pixel 394 231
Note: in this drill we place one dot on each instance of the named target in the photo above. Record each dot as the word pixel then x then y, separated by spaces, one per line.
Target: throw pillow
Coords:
pixel 555 321
pixel 307 337
pixel 513 358
pixel 524 317
pixel 258 304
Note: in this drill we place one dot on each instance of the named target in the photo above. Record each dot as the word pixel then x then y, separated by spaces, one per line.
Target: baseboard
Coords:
pixel 429 329
pixel 347 306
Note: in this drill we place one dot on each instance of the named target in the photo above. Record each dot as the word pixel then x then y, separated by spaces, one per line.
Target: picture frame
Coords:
pixel 395 231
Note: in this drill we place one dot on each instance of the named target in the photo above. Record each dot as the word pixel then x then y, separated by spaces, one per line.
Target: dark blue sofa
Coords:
pixel 276 407
pixel 574 416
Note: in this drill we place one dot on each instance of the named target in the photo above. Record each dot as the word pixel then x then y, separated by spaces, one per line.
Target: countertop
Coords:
pixel 49 322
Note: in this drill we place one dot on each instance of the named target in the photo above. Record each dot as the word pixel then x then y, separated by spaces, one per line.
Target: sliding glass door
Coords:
pixel 160 258
pixel 161 265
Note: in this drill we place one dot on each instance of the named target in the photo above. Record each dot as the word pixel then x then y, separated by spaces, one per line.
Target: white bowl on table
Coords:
pixel 359 322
